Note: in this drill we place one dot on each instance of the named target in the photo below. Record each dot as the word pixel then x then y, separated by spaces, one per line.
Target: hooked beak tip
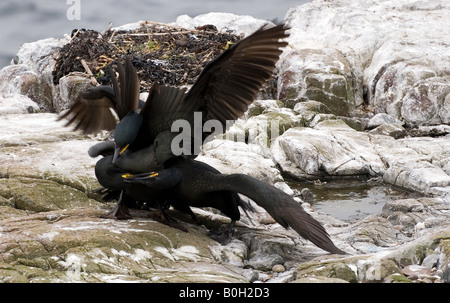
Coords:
pixel 116 155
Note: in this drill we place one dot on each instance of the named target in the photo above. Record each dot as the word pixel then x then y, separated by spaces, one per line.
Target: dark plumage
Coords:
pixel 223 91
pixel 142 138
pixel 190 183
pixel 92 112
pixel 111 178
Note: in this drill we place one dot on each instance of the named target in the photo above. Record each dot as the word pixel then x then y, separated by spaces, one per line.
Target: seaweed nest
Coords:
pixel 160 53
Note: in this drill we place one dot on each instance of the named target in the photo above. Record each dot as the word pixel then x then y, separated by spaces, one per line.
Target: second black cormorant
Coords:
pixel 189 183
pixel 223 92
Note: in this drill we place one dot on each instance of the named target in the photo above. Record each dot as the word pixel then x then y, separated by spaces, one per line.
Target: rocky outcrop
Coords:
pixel 358 97
pixel 333 149
pixel 31 75
pixel 391 56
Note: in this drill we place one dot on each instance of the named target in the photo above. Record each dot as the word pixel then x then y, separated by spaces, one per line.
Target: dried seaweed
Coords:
pixel 160 53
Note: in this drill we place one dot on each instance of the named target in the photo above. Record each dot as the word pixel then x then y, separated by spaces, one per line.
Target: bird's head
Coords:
pixel 126 132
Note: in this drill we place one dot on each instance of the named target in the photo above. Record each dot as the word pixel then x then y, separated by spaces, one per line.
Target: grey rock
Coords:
pixel 241 25
pixel 425 103
pixel 330 149
pixel 32 75
pixel 318 75
pixel 283 277
pixel 388 60
pixel 234 253
pixel 382 119
pixel 393 130
pixel 430 261
pixel 265 262
pixel 70 88
pixel 319 279
pixel 278 268
pixel 17 104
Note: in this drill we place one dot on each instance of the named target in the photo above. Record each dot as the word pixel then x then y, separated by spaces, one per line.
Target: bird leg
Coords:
pixel 223 237
pixel 164 218
pixel 120 210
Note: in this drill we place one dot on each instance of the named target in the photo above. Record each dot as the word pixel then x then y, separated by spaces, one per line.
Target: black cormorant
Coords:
pixel 189 183
pixel 222 92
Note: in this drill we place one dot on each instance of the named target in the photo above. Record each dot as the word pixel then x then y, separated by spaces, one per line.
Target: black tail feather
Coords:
pixel 282 207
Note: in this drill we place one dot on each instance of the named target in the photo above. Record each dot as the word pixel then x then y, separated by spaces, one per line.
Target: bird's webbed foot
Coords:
pixel 223 237
pixel 163 217
pixel 120 211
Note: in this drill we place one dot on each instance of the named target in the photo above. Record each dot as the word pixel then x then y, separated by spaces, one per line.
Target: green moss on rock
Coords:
pixel 330 269
pixel 37 195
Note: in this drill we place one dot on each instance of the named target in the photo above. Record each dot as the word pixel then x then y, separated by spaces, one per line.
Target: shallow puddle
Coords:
pixel 351 200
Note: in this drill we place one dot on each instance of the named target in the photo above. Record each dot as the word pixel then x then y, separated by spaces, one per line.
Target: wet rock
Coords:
pixel 398 223
pixel 333 149
pixel 307 195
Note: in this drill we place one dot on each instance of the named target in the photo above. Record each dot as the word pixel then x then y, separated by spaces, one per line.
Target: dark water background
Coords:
pixel 30 20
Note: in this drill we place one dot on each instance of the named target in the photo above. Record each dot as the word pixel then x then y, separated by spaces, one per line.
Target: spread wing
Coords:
pixel 224 89
pixel 230 83
pixel 164 105
pixel 126 89
pixel 92 112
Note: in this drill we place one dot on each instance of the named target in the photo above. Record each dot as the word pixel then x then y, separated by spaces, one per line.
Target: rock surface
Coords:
pixel 391 56
pixel 354 101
